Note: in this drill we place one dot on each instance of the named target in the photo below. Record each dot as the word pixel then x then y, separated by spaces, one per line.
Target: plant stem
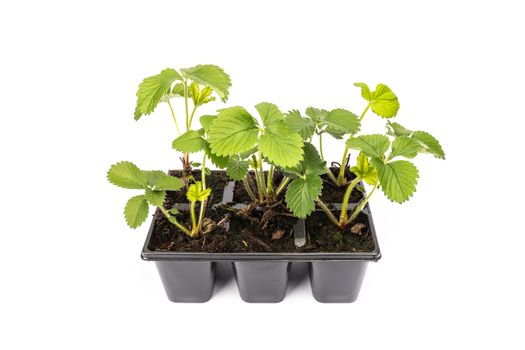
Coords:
pixel 174 221
pixel 260 184
pixel 174 119
pixel 331 176
pixel 361 205
pixel 327 211
pixel 341 177
pixel 321 146
pixel 328 171
pixel 269 182
pixel 191 116
pixel 249 189
pixel 346 198
pixel 283 184
pixel 364 112
pixel 193 218
pixel 261 176
pixel 203 203
pixel 186 105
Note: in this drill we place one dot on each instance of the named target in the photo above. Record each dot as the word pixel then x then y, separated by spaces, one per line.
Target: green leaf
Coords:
pixel 194 92
pixel 248 153
pixel 365 91
pixel 152 89
pixel 312 164
pixel 374 145
pixel 398 179
pixel 364 170
pixel 281 146
pixel 219 161
pixel 169 183
pixel 396 129
pixel 205 96
pixel 233 131
pixel 237 168
pixel 384 102
pixel 429 144
pixel 296 123
pixel 127 175
pixel 189 142
pixel 206 121
pixel 178 89
pixel 302 193
pixel 196 193
pixel 152 176
pixel 340 122
pixel 174 211
pixel 208 74
pixel 270 114
pixel 316 114
pixel 155 197
pixel 404 147
pixel 136 211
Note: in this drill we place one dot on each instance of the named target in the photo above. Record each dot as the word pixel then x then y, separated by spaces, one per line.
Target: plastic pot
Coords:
pixel 262 277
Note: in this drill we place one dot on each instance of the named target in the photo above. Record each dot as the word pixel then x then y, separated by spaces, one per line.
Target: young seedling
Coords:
pixel 198 83
pixel 247 142
pixel 396 177
pixel 384 103
pixel 155 184
pixel 337 123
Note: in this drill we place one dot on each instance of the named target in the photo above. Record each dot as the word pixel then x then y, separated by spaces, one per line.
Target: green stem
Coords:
pixel 361 206
pixel 174 221
pixel 283 184
pixel 261 174
pixel 203 203
pixel 331 176
pixel 249 189
pixel 364 112
pixel 186 105
pixel 193 218
pixel 269 182
pixel 341 177
pixel 321 146
pixel 260 184
pixel 191 116
pixel 346 198
pixel 327 211
pixel 173 115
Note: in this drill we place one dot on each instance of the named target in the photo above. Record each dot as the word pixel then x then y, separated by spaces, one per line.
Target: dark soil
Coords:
pixel 335 194
pixel 216 182
pixel 324 236
pixel 254 229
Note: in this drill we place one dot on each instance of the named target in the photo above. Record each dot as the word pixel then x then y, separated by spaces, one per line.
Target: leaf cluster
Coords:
pixel 171 83
pixel 154 184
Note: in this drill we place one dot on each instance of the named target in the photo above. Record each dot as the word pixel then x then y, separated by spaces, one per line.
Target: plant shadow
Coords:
pixel 223 276
pixel 298 278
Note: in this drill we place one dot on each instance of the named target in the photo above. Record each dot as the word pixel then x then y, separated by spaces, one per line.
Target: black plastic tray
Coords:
pixel 262 277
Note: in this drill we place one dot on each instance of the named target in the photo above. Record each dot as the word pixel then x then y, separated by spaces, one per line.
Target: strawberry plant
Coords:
pixel 198 83
pixel 244 142
pixel 155 184
pixel 378 163
pixel 337 123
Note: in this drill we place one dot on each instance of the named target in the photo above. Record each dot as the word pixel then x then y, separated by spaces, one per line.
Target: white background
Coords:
pixel 452 269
